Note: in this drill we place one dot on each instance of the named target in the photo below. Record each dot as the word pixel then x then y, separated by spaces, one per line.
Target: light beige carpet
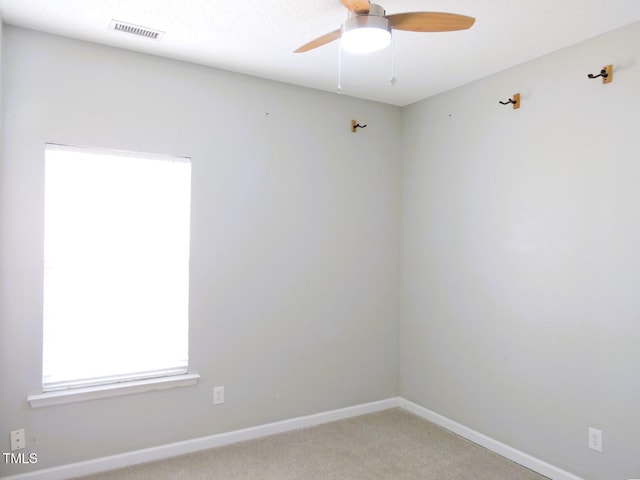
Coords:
pixel 392 444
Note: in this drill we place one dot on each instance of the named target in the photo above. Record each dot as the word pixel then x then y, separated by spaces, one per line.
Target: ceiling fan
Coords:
pixel 368 28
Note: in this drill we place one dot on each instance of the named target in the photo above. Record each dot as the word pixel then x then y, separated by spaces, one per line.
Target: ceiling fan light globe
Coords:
pixel 365 34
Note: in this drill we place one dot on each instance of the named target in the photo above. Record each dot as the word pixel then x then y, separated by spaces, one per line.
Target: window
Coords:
pixel 116 266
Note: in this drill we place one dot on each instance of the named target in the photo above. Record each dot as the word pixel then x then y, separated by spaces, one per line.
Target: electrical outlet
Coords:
pixel 218 395
pixel 18 439
pixel 595 439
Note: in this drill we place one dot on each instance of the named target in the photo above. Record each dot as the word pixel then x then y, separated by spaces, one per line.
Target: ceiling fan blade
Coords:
pixel 356 6
pixel 318 42
pixel 430 21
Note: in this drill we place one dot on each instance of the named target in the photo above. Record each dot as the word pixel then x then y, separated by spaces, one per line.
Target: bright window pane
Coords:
pixel 116 284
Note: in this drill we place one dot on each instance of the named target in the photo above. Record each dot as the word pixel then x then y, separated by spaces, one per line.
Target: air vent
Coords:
pixel 145 32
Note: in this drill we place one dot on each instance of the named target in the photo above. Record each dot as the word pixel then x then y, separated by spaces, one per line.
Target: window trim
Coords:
pixel 72 395
pixel 83 389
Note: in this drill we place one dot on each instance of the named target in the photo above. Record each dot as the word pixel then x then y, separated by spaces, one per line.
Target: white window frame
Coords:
pixel 78 389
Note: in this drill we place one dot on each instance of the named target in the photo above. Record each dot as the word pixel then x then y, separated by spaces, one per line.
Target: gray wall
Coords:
pixel 295 241
pixel 520 257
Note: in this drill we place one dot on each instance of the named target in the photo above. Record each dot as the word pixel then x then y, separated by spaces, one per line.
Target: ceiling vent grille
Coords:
pixel 145 32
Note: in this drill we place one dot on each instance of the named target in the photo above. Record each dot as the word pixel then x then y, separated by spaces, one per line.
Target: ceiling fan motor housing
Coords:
pixel 366 32
pixel 374 9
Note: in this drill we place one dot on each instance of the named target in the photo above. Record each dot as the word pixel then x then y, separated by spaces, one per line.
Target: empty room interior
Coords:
pixel 448 226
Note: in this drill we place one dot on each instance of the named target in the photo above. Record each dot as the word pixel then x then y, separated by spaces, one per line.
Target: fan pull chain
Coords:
pixel 392 80
pixel 340 68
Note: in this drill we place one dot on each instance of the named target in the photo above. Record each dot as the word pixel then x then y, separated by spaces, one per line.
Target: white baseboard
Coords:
pixel 524 459
pixel 189 446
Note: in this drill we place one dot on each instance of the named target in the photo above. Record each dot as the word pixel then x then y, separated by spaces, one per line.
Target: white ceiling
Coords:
pixel 257 37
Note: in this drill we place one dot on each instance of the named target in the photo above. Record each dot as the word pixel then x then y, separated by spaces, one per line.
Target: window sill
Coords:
pixel 112 390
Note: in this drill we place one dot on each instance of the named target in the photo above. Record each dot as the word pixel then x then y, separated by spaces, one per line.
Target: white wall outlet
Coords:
pixel 595 439
pixel 218 395
pixel 18 439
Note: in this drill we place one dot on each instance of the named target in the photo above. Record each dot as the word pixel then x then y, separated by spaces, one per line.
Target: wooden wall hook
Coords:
pixel 606 73
pixel 355 125
pixel 515 101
